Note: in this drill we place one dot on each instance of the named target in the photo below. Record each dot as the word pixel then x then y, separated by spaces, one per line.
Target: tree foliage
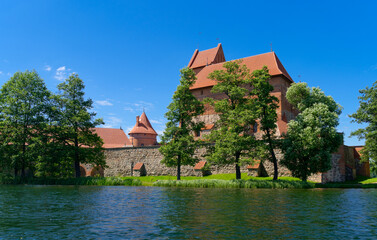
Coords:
pixel 178 145
pixel 76 124
pixel 312 137
pixel 367 114
pixel 232 134
pixel 266 105
pixel 46 133
pixel 24 106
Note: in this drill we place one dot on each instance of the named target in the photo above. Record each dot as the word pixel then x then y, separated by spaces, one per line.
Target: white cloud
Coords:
pixel 62 73
pixel 373 67
pixel 159 131
pixel 112 122
pixel 9 74
pixel 61 68
pixel 138 106
pixel 103 103
pixel 1 73
pixel 128 129
pixel 155 121
pixel 47 68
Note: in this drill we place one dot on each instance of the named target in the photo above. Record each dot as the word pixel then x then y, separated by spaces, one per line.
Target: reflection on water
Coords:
pixel 73 212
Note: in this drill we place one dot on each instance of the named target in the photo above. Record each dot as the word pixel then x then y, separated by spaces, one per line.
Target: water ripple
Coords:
pixel 91 212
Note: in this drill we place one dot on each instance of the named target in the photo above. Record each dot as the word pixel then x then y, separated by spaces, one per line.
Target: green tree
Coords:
pixel 367 114
pixel 178 145
pixel 232 134
pixel 24 101
pixel 76 123
pixel 312 137
pixel 266 105
pixel 53 159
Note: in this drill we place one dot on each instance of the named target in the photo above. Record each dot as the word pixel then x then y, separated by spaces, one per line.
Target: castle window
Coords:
pixel 201 92
pixel 142 144
pixel 255 127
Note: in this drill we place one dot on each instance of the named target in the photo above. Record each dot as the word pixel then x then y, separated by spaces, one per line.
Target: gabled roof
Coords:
pixel 142 126
pixel 208 126
pixel 112 137
pixel 255 165
pixel 138 166
pixel 252 63
pixel 200 165
pixel 207 57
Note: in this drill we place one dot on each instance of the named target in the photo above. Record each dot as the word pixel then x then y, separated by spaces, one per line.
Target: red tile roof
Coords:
pixel 142 126
pixel 138 166
pixel 255 165
pixel 208 126
pixel 113 137
pixel 200 165
pixel 253 63
pixel 357 151
pixel 207 57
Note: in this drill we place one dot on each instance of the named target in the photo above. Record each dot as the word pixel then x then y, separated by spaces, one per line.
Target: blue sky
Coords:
pixel 129 52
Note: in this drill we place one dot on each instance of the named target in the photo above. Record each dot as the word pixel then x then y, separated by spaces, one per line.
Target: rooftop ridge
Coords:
pixel 254 62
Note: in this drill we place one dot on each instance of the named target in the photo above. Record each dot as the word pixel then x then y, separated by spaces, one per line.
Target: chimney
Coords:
pixel 137 119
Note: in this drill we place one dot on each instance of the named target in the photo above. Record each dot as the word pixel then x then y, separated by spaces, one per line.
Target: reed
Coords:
pixel 97 181
pixel 217 183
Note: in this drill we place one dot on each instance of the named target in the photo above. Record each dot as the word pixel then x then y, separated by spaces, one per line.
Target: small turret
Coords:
pixel 143 134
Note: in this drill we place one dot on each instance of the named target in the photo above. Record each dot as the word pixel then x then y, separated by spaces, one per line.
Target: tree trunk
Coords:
pixel 179 168
pixel 238 169
pixel 23 160
pixel 77 162
pixel 274 160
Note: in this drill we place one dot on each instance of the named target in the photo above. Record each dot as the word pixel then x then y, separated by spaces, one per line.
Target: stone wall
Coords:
pixel 120 162
pixel 336 173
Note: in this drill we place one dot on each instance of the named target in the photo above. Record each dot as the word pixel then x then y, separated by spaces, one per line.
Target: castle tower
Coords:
pixel 143 134
pixel 207 61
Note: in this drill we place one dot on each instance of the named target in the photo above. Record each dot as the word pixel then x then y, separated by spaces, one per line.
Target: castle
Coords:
pixel 139 155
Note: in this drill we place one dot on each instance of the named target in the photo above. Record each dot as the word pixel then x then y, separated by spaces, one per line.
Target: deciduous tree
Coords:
pixel 266 105
pixel 178 144
pixel 312 137
pixel 232 134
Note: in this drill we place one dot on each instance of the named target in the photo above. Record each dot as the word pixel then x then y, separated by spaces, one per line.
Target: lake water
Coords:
pixel 91 212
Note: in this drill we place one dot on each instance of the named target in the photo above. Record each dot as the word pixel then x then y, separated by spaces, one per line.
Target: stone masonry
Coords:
pixel 120 162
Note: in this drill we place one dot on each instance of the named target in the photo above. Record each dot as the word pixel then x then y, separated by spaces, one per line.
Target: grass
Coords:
pixel 150 180
pixel 368 181
pixel 212 181
pixel 240 183
pixel 359 182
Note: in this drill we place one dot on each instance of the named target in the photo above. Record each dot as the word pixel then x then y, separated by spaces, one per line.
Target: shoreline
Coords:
pixel 214 181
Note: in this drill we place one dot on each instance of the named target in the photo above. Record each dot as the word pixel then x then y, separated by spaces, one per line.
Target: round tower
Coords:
pixel 143 134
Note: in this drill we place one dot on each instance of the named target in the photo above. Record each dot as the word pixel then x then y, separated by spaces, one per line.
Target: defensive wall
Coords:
pixel 122 161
